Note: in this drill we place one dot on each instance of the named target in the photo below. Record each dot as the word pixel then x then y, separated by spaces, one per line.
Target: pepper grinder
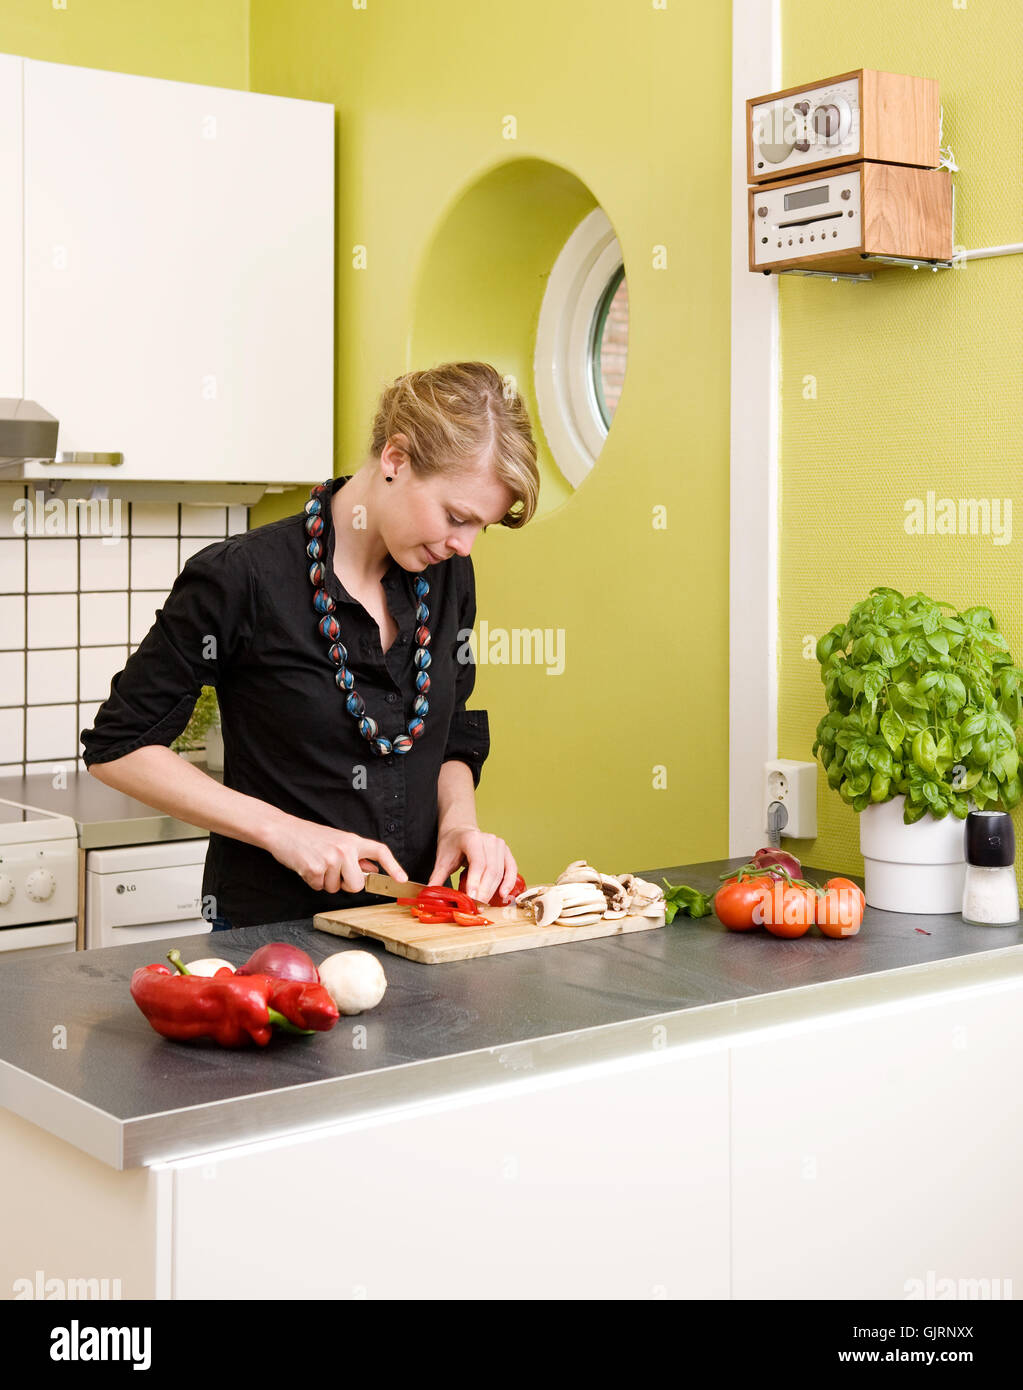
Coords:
pixel 990 897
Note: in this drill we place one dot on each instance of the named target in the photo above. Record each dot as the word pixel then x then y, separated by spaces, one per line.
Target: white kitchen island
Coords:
pixel 680 1113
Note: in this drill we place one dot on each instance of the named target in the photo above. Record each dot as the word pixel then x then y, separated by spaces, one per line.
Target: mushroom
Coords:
pixel 547 907
pixel 355 980
pixel 641 892
pixel 582 895
pixel 614 892
pixel 579 872
pixel 585 919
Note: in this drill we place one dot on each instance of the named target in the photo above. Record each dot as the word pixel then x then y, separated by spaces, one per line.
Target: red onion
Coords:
pixel 281 960
pixel 764 858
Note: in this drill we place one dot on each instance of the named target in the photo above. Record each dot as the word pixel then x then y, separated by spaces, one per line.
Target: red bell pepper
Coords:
pixel 471 919
pixel 519 886
pixel 232 1009
pixel 306 1007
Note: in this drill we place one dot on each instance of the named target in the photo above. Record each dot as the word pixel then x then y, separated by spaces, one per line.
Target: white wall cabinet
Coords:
pixel 178 276
pixel 11 259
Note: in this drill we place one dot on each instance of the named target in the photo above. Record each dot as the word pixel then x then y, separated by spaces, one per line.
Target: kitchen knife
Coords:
pixel 388 887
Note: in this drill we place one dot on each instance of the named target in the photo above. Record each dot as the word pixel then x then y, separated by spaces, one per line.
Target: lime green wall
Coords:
pixel 203 41
pixel 421 92
pixel 917 374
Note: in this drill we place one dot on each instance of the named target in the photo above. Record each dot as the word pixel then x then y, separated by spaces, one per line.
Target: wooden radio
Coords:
pixel 830 221
pixel 883 116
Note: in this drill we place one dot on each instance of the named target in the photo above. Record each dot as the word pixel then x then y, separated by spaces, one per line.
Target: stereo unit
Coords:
pixel 831 221
pixel 882 116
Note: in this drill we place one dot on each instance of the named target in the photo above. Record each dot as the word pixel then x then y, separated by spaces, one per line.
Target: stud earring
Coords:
pixel 390 480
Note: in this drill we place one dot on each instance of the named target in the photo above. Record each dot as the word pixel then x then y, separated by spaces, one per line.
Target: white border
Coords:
pixel 753 555
pixel 565 398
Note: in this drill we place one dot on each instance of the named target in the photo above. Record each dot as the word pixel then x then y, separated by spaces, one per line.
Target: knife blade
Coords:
pixel 388 887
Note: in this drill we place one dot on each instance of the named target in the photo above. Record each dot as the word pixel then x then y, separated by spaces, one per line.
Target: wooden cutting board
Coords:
pixel 513 930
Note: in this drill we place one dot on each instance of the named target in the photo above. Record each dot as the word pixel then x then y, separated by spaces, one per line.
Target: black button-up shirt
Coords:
pixel 240 617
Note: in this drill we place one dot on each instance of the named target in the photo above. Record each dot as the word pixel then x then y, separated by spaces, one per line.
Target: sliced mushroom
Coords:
pixel 579 872
pixel 547 907
pixel 574 894
pixel 613 912
pixel 582 910
pixel 530 895
pixel 614 892
pixel 586 920
pixel 643 894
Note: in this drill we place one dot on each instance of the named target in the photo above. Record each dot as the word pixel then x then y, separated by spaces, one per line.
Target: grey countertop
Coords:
pixel 121 1092
pixel 104 817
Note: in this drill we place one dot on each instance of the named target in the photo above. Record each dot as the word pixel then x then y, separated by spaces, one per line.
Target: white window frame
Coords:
pixel 569 410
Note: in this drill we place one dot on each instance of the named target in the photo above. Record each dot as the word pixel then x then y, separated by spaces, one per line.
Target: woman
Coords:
pixel 336 640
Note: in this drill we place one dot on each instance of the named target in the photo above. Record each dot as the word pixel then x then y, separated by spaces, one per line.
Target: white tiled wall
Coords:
pixel 78 592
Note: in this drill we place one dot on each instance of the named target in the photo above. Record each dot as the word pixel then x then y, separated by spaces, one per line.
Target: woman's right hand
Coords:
pixel 329 860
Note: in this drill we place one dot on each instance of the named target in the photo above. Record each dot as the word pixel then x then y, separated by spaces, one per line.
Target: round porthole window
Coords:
pixel 581 345
pixel 610 345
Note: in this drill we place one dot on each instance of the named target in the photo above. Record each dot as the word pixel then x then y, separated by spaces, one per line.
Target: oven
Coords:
pixel 38 882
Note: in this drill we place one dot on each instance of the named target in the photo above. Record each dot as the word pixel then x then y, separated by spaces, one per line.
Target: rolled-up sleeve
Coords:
pixel 469 732
pixel 206 619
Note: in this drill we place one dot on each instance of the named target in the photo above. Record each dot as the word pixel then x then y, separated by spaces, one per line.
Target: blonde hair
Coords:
pixel 455 416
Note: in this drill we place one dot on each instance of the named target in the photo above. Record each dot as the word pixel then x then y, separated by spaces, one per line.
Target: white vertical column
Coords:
pixel 753 564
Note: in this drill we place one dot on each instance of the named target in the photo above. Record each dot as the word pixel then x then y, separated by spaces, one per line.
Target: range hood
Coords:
pixel 28 435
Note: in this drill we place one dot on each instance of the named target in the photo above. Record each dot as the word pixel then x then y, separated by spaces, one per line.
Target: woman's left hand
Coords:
pixel 491 864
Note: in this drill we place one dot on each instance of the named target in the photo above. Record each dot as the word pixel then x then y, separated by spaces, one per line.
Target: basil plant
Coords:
pixel 924 701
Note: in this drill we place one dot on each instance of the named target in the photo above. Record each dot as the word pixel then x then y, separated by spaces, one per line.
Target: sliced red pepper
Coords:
pixel 519 886
pixel 471 919
pixel 447 897
pixel 435 919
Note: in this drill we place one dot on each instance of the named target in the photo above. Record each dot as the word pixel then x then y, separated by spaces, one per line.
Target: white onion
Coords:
pixel 209 966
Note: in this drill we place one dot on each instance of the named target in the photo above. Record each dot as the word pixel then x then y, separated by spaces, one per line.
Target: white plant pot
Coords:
pixel 215 748
pixel 912 868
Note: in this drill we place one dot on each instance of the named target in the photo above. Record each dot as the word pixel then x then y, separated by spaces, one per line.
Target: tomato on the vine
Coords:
pixel 740 905
pixel 840 909
pixel 792 910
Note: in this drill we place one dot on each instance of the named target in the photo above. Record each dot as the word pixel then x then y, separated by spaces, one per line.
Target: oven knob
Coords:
pixel 40 885
pixel 6 889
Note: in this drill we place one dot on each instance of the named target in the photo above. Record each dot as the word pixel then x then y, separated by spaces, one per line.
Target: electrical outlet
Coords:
pixel 794 784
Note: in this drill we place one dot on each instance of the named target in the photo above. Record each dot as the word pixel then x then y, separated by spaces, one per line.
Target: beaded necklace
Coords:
pixel 328 625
